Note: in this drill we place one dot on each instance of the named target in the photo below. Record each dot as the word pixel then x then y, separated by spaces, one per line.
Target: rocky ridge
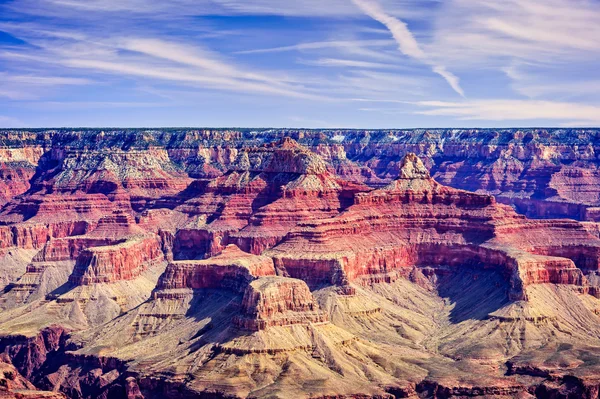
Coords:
pixel 152 267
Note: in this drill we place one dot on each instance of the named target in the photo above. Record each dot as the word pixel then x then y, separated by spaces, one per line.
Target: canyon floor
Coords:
pixel 300 264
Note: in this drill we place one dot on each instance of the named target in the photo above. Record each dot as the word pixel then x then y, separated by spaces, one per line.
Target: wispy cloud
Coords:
pixel 513 110
pixel 17 94
pixel 470 33
pixel 186 76
pixel 535 82
pixel 337 62
pixel 154 59
pixel 518 60
pixel 407 43
pixel 174 8
pixel 30 86
pixel 43 80
pixel 69 105
pixel 199 58
pixel 368 100
pixel 319 46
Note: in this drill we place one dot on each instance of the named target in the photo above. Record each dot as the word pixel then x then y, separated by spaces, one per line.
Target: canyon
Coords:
pixel 278 263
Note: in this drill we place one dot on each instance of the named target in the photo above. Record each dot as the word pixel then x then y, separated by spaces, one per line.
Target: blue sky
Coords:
pixel 310 63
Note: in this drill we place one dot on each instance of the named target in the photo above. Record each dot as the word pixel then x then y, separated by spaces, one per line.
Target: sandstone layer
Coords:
pixel 323 264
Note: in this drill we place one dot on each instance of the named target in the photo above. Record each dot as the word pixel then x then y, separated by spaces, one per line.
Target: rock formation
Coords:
pixel 329 264
pixel 86 279
pixel 278 301
pixel 231 269
pixel 14 386
pixel 415 221
pixel 266 192
pixel 51 266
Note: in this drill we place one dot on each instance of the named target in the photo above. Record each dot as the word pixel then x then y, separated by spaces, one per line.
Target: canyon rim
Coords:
pixel 226 263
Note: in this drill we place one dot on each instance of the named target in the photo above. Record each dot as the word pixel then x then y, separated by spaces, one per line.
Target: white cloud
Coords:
pixel 337 62
pixel 407 43
pixel 534 81
pixel 152 58
pixel 62 105
pixel 320 45
pixel 175 8
pixel 200 58
pixel 34 80
pixel 368 100
pixel 468 33
pixel 545 51
pixel 513 110
pixel 184 75
pixel 16 94
pixel 20 87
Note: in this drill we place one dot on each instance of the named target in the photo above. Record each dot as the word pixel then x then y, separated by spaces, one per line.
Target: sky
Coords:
pixel 301 63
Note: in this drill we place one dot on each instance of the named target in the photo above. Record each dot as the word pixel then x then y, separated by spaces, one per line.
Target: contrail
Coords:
pixel 407 44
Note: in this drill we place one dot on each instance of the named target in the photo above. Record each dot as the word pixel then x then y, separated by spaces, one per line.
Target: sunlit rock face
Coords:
pixel 267 191
pixel 277 264
pixel 278 301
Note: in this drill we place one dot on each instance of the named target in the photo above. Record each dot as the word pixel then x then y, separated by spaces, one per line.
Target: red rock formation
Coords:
pixel 110 229
pixel 278 301
pixel 81 187
pixel 14 385
pixel 267 191
pixel 403 257
pixel 10 378
pixel 156 220
pixel 132 389
pixel 123 261
pixel 231 269
pixel 29 354
pixel 52 265
pixel 516 165
pixel 416 221
pixel 141 173
pixel 34 236
pixel 17 168
pixel 53 208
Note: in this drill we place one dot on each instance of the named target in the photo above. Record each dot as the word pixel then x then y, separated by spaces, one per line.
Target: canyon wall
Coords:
pixel 298 263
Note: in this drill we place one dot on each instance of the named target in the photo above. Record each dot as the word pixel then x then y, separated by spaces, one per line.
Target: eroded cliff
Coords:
pixel 143 264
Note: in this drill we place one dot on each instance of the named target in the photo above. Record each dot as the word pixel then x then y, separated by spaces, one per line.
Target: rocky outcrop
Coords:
pixel 17 168
pixel 543 172
pixel 278 301
pixel 267 191
pixel 29 354
pixel 52 265
pixel 419 288
pixel 35 236
pixel 231 269
pixel 13 385
pixel 143 175
pixel 123 261
pixel 110 229
pixel 416 221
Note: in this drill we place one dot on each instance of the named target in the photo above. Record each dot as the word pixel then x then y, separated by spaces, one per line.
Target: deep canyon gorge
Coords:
pixel 289 263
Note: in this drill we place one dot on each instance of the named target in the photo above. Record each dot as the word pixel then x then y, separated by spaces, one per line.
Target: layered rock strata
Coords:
pixel 51 267
pixel 120 262
pixel 266 192
pixel 231 269
pixel 416 221
pixel 278 301
pixel 418 289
